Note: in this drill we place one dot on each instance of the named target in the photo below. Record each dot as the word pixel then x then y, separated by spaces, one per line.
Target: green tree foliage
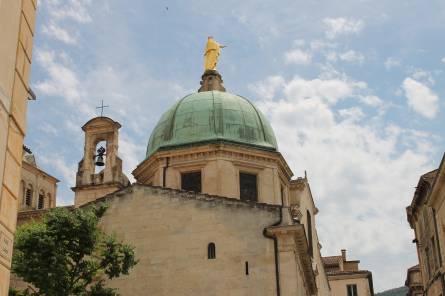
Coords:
pixel 67 254
pixel 401 291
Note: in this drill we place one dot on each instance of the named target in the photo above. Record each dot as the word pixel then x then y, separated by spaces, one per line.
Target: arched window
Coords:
pixel 28 196
pixel 309 233
pixel 211 251
pixel 41 201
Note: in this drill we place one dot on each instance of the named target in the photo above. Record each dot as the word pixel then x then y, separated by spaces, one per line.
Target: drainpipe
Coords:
pixel 164 172
pixel 275 246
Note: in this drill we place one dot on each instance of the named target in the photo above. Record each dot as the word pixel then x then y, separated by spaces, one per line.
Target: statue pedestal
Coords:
pixel 211 80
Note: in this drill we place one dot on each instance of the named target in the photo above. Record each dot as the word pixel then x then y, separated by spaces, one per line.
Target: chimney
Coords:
pixel 343 254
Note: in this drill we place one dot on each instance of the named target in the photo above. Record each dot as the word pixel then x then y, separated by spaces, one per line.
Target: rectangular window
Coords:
pixel 352 290
pixel 191 181
pixel 248 187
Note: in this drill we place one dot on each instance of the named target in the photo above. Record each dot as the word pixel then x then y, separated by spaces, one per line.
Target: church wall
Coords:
pixel 171 231
pixel 91 194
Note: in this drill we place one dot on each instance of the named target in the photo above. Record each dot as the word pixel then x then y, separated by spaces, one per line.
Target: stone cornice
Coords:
pixel 348 275
pixel 177 193
pixel 96 186
pixel 38 170
pixel 101 122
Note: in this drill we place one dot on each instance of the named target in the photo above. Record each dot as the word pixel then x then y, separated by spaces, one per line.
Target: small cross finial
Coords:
pixel 102 108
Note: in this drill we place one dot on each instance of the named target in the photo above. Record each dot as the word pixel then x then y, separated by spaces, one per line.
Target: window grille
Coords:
pixel 191 181
pixel 41 202
pixel 352 290
pixel 28 197
pixel 248 187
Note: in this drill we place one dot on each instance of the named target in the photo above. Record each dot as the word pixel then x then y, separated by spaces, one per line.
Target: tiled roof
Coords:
pixel 331 260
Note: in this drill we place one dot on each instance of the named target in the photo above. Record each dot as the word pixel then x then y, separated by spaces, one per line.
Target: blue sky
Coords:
pixel 353 89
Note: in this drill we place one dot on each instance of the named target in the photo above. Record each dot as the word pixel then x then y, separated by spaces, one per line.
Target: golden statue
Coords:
pixel 213 49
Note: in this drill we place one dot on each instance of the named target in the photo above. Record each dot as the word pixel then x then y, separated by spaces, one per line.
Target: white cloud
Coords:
pixel 342 26
pixel 267 89
pixel 331 56
pixel 392 62
pixel 326 90
pixel 321 44
pixel 443 60
pixel 61 81
pixel 131 152
pixel 371 100
pixel 353 114
pixel 299 42
pixel 297 56
pixel 352 56
pixel 355 165
pixel 75 10
pixel 423 76
pixel 54 31
pixel 420 98
pixel 58 162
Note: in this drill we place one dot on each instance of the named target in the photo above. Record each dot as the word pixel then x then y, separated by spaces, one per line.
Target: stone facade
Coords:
pixel 345 277
pixel 91 181
pixel 414 281
pixel 426 216
pixel 17 23
pixel 218 215
pixel 263 247
pixel 171 231
pixel 38 189
pixel 220 165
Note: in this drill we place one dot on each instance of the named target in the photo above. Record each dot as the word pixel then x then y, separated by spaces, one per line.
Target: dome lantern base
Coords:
pixel 211 80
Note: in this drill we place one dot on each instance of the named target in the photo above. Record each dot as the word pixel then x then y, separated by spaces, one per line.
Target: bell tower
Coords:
pixel 100 170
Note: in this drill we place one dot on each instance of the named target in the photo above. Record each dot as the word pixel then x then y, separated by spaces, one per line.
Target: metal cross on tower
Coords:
pixel 102 108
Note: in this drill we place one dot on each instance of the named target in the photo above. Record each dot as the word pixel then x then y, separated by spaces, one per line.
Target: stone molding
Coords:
pixel 294 238
pixel 205 153
pixel 177 193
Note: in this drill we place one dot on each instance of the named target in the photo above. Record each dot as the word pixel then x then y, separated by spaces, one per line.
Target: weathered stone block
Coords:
pixel 29 11
pixel 15 141
pixel 11 177
pixel 8 209
pixel 19 103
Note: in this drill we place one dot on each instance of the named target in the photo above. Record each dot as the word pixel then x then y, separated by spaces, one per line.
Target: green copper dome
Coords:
pixel 212 116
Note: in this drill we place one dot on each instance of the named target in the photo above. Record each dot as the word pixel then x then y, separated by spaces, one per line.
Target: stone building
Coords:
pixel 17 19
pixel 37 188
pixel 345 277
pixel 426 216
pixel 215 209
pixel 414 281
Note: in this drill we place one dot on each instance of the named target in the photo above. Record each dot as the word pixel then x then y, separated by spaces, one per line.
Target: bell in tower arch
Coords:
pixel 100 157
